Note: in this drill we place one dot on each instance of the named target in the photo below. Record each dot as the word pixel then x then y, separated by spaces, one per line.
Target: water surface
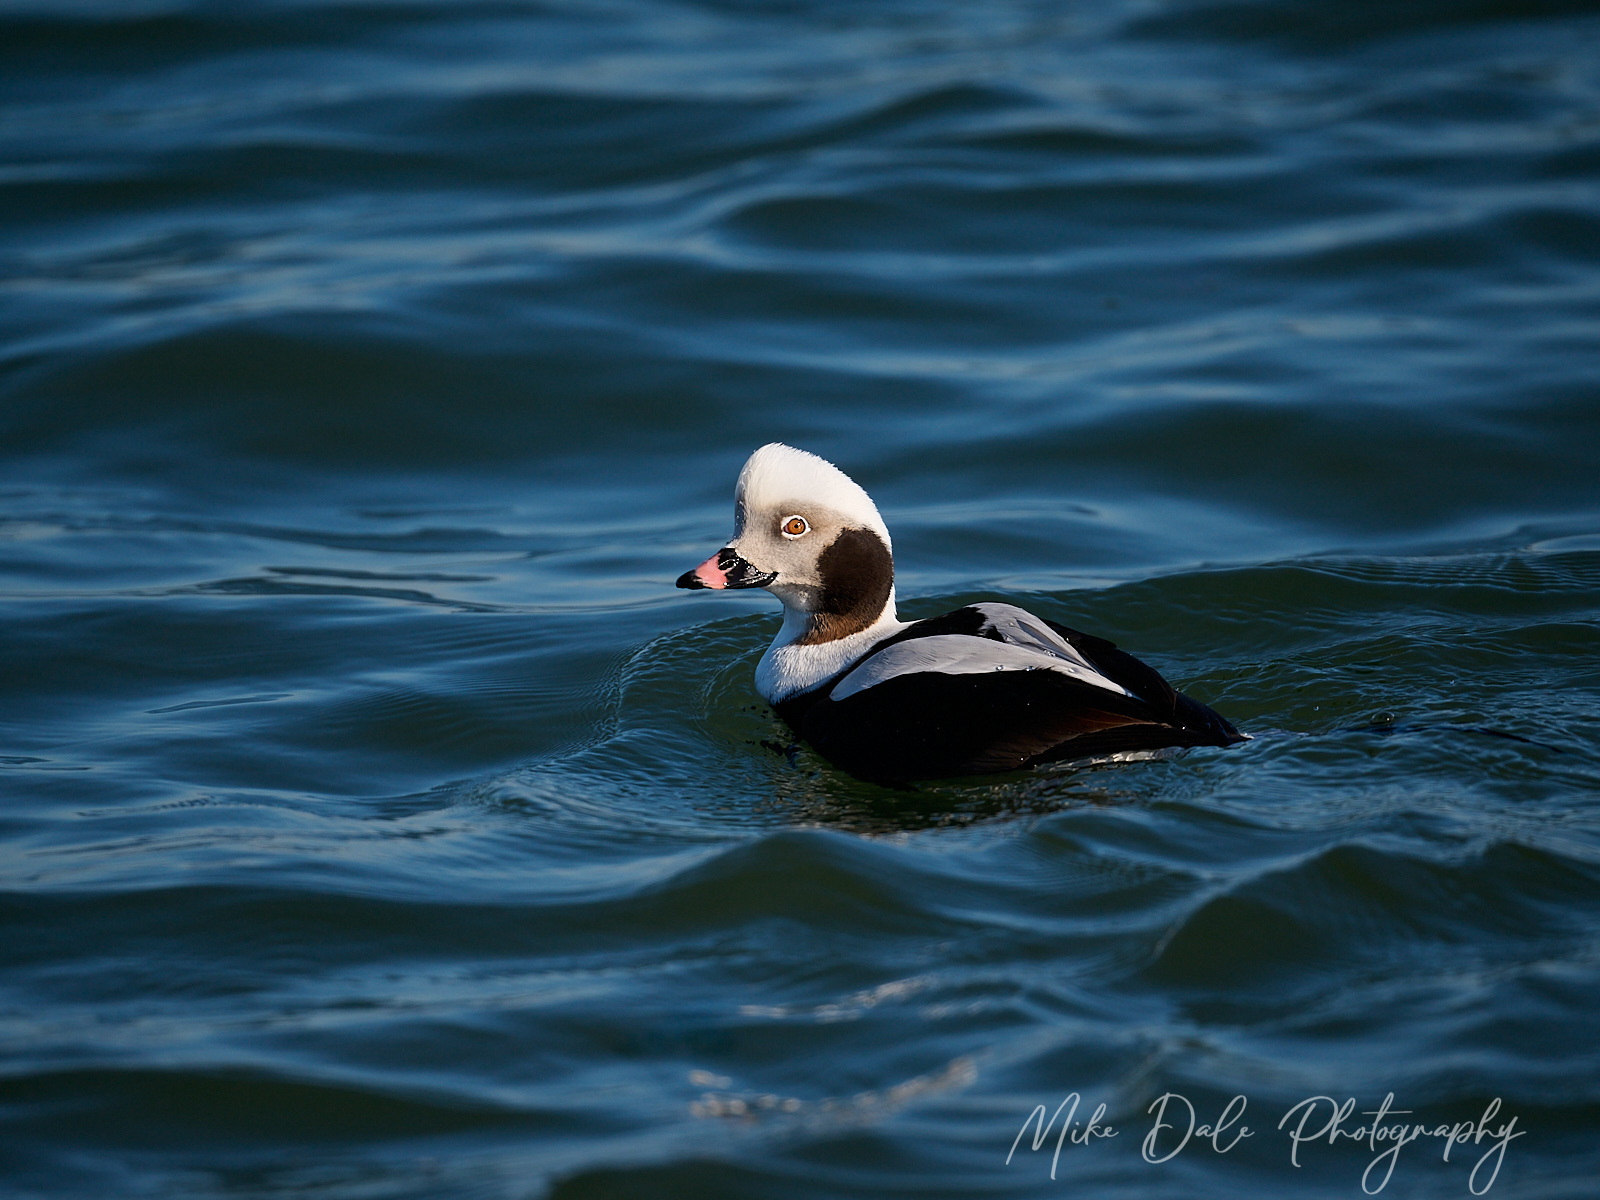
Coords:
pixel 379 822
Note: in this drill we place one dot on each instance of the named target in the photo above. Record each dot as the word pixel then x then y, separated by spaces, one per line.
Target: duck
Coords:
pixel 987 688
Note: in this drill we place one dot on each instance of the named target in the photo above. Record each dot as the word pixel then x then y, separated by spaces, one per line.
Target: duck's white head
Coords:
pixel 809 534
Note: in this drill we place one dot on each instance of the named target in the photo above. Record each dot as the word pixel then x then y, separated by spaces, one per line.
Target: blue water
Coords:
pixel 377 821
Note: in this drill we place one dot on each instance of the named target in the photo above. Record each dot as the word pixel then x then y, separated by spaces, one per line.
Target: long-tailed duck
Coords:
pixel 989 687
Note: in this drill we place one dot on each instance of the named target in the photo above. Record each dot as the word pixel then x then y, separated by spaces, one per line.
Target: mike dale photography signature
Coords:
pixel 1311 1125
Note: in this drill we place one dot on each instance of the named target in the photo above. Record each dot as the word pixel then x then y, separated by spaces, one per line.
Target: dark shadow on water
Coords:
pixel 816 794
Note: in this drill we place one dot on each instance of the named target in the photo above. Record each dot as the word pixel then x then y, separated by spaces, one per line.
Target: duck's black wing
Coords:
pixel 992 688
pixel 1172 706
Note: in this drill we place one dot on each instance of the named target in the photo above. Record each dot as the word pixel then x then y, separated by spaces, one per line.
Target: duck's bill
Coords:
pixel 725 569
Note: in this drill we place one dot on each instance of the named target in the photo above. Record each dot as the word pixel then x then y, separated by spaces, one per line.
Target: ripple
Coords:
pixel 1359 908
pixel 380 822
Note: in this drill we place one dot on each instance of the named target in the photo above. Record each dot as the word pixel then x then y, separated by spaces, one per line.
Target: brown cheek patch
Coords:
pixel 857 573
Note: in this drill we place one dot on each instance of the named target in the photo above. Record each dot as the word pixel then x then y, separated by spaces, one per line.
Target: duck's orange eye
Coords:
pixel 795 526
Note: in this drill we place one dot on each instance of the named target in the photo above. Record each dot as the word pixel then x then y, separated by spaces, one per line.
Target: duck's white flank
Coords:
pixel 963 654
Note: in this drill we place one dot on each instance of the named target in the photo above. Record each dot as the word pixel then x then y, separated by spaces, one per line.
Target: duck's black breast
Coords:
pixel 994 688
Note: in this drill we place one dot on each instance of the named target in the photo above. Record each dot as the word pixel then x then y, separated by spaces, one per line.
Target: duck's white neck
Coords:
pixel 792 666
